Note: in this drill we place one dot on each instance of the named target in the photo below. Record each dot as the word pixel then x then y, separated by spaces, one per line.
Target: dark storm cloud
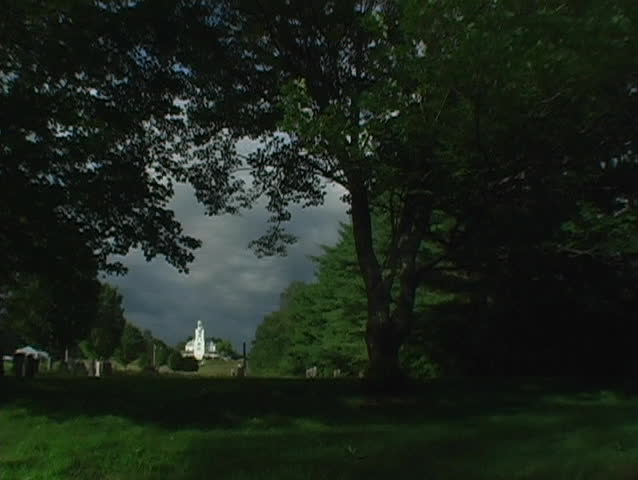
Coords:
pixel 228 288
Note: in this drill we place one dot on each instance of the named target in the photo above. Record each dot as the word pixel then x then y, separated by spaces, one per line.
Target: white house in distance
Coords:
pixel 198 348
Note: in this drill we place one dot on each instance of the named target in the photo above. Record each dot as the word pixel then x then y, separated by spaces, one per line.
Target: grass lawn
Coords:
pixel 164 427
pixel 217 367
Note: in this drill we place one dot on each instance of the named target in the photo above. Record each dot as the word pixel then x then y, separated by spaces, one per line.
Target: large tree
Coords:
pixel 55 309
pixel 132 345
pixel 108 326
pixel 89 93
pixel 417 108
pixel 414 107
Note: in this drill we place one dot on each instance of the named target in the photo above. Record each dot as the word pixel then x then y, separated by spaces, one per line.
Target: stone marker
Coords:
pixel 89 366
pixel 103 368
pixel 31 365
pixel 19 364
pixel 79 368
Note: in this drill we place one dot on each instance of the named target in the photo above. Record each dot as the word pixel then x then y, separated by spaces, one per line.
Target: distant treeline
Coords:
pixel 38 313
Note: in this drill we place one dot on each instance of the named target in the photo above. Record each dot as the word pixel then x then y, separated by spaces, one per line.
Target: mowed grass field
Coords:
pixel 164 427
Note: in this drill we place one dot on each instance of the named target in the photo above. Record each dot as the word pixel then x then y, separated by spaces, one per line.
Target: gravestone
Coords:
pixel 336 373
pixel 79 368
pixel 19 364
pixel 311 372
pixel 89 366
pixel 103 368
pixel 107 369
pixel 32 365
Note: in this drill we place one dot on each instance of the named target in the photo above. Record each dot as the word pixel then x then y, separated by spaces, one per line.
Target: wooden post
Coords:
pixel 244 355
pixel 241 370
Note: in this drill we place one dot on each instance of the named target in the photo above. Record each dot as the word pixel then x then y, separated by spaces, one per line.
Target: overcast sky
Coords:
pixel 228 288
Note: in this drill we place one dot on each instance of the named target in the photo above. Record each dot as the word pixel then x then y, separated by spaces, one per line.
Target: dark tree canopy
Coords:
pixel 88 93
pixel 499 117
pixel 52 313
pixel 484 134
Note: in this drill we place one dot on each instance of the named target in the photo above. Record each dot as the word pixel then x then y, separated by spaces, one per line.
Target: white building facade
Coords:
pixel 197 347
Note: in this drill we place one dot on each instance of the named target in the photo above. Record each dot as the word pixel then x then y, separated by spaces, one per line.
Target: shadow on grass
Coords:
pixel 175 402
pixel 285 429
pixel 535 445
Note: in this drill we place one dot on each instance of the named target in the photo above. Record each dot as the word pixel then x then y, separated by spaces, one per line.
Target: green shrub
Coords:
pixel 189 364
pixel 175 361
pixel 182 364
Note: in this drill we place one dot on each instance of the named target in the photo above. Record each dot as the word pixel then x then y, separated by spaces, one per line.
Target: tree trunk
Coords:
pixel 383 354
pixel 389 322
pixel 385 334
pixel 383 359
